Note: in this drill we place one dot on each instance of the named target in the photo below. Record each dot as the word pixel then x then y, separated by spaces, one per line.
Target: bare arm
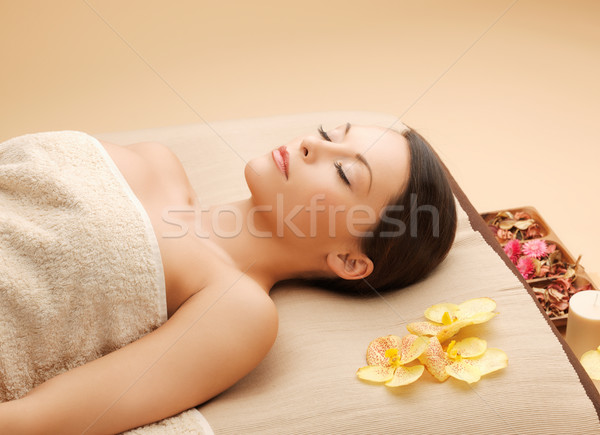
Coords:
pixel 9 421
pixel 212 341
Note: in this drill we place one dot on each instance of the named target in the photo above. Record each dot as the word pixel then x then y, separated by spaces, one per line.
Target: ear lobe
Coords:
pixel 350 266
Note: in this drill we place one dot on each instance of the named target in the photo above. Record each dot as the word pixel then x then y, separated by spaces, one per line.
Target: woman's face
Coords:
pixel 330 186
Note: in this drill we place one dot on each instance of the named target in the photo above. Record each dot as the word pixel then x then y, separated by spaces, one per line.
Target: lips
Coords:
pixel 282 160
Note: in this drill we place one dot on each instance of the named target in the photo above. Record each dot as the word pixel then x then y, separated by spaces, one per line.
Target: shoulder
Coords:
pixel 146 153
pixel 152 150
pixel 146 150
pixel 251 305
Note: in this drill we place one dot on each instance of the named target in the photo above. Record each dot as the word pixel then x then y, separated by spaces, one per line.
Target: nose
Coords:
pixel 312 147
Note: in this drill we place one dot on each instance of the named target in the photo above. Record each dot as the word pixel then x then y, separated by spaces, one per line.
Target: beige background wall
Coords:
pixel 506 91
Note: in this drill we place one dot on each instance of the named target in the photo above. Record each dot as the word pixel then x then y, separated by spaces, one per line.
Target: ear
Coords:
pixel 350 265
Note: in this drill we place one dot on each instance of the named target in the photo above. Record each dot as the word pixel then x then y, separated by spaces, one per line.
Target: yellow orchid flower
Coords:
pixel 435 360
pixel 467 360
pixel 387 357
pixel 591 363
pixel 447 319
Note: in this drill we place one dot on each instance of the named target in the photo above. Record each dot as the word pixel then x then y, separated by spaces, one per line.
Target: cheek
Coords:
pixel 322 214
pixel 314 202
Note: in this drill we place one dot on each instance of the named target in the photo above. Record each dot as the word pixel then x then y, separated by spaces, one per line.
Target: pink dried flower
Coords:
pixel 504 235
pixel 513 250
pixel 535 248
pixel 544 270
pixel 526 267
pixel 521 215
pixel 533 231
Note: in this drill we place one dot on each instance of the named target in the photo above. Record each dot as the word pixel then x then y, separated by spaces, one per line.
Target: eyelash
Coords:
pixel 323 134
pixel 338 165
pixel 341 173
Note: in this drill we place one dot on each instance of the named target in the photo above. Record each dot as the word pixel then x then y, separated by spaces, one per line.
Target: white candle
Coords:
pixel 583 322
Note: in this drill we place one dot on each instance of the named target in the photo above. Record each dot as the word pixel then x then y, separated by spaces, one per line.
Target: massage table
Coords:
pixel 308 384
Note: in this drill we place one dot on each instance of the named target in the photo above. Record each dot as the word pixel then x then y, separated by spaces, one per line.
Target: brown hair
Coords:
pixel 415 231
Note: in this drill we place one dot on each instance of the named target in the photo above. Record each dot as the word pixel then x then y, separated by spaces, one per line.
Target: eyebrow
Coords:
pixel 361 159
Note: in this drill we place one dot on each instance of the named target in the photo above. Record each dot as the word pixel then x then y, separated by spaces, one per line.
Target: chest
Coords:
pixel 158 180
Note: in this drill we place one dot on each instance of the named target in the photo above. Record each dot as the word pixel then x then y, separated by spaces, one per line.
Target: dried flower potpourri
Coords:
pixel 388 358
pixel 539 256
pixel 519 226
pixel 554 297
pixel 538 259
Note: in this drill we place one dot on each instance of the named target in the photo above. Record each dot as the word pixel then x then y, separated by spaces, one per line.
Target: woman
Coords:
pixel 360 208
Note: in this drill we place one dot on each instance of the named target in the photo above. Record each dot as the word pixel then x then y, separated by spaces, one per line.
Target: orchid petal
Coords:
pixel 411 347
pixel 436 312
pixel 378 347
pixel 474 306
pixel 451 330
pixel 464 370
pixel 424 328
pixel 492 360
pixel 469 348
pixel 375 373
pixel 591 363
pixel 435 360
pixel 405 376
pixel 481 317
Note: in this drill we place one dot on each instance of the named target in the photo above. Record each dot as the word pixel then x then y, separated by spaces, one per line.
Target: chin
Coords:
pixel 249 173
pixel 260 174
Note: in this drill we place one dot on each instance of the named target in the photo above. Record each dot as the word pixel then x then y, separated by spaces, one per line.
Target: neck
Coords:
pixel 244 237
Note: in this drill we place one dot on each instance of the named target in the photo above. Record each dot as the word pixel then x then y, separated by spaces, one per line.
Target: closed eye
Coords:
pixel 323 134
pixel 338 165
pixel 341 173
